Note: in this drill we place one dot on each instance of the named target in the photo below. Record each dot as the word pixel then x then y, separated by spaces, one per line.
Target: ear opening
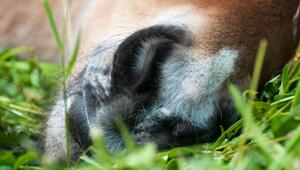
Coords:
pixel 137 59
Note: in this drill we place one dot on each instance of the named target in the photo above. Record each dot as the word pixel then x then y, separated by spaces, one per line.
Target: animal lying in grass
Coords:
pixel 161 67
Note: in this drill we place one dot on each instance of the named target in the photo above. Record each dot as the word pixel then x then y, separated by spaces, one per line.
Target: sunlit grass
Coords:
pixel 65 69
pixel 269 126
pixel 26 88
pixel 269 138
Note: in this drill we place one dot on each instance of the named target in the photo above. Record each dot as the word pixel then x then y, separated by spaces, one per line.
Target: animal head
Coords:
pixel 163 71
pixel 155 86
pixel 161 67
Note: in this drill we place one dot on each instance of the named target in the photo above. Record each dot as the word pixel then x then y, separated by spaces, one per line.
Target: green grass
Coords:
pixel 26 89
pixel 269 125
pixel 65 69
pixel 270 137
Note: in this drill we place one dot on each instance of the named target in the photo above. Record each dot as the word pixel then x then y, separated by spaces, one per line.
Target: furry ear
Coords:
pixel 137 59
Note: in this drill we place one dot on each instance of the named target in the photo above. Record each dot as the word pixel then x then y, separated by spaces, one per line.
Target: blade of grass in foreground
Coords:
pixel 296 101
pixel 296 138
pixel 257 70
pixel 60 44
pixel 254 84
pixel 73 56
pixel 129 143
pixel 292 144
pixel 61 48
pixel 251 128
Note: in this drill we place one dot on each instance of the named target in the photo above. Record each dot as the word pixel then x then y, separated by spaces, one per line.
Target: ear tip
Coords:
pixel 137 59
pixel 187 36
pixel 180 32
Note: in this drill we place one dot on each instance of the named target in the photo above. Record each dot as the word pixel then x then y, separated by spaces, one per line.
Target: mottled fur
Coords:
pixel 165 75
pixel 161 67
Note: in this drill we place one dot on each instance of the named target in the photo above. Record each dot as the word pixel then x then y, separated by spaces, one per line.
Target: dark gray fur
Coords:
pixel 150 83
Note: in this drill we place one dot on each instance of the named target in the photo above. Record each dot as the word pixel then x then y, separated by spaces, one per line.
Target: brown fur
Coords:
pixel 237 25
pixel 232 23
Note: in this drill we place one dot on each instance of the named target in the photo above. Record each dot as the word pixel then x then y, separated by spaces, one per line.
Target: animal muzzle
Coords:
pixel 135 79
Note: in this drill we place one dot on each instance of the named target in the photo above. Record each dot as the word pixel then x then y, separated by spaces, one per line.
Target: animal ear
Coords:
pixel 137 59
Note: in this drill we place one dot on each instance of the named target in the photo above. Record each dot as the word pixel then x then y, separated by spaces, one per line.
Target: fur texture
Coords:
pixel 165 74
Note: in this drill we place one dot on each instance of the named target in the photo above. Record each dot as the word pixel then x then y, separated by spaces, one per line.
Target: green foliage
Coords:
pixel 269 139
pixel 65 69
pixel 269 129
pixel 26 86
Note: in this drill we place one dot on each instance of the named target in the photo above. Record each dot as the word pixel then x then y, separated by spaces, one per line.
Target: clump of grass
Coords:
pixel 269 139
pixel 66 69
pixel 269 125
pixel 25 87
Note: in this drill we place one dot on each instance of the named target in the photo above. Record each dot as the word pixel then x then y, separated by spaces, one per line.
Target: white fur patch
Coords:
pixel 94 70
pixel 55 140
pixel 189 85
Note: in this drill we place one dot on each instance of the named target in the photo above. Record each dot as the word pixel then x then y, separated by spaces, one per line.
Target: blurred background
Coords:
pixel 29 76
pixel 25 23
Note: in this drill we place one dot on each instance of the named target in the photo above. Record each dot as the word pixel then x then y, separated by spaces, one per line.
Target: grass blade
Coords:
pixel 296 101
pixel 59 42
pixel 258 67
pixel 73 56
